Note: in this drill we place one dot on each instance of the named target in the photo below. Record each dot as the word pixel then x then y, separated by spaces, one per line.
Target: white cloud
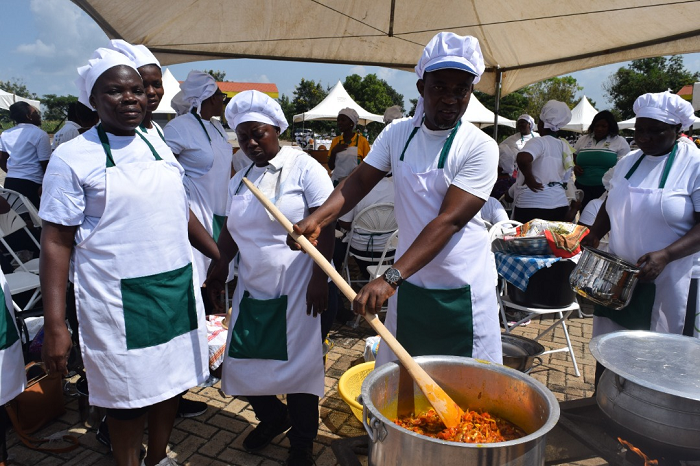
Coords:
pixel 38 48
pixel 263 79
pixel 360 70
pixel 386 73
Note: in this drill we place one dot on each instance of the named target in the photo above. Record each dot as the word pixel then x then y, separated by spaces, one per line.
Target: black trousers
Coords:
pixel 303 412
pixel 525 214
pixel 29 188
pixel 590 193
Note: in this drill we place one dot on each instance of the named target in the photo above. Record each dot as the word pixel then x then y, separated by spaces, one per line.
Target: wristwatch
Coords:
pixel 393 277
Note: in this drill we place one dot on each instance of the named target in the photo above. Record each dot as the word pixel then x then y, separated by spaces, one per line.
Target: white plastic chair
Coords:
pixel 374 221
pixel 21 205
pixel 11 222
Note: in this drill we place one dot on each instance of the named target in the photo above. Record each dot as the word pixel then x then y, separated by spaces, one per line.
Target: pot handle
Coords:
pixel 375 428
pixel 537 360
pixel 620 383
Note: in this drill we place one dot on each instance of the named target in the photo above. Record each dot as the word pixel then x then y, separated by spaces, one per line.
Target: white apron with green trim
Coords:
pixel 345 163
pixel 273 347
pixel 142 332
pixel 208 193
pixel 638 226
pixel 13 378
pixel 459 282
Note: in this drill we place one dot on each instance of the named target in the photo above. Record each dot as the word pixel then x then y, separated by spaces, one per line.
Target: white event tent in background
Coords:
pixel 7 99
pixel 482 117
pixel 171 87
pixel 581 116
pixel 336 100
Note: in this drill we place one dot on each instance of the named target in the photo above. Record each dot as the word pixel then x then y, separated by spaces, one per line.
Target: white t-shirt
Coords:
pixel 304 183
pixel 616 144
pixel 493 211
pixel 382 193
pixel 187 140
pixel 28 145
pixel 547 167
pixel 65 134
pixel 590 212
pixel 508 150
pixel 471 164
pixel 74 185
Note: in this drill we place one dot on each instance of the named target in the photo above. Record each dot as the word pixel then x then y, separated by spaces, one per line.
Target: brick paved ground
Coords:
pixel 215 438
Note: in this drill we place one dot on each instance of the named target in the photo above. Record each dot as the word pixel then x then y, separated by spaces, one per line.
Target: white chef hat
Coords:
pixel 197 88
pixel 350 113
pixel 392 113
pixel 449 50
pixel 555 114
pixel 139 54
pixel 179 104
pixel 255 106
pixel 101 60
pixel 529 119
pixel 665 106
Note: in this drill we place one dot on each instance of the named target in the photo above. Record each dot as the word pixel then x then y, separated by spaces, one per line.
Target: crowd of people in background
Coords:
pixel 143 227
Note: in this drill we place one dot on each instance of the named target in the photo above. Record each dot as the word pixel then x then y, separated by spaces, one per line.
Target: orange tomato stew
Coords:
pixel 475 427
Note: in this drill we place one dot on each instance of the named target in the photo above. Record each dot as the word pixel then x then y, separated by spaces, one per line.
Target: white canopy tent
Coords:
pixel 581 116
pixel 482 117
pixel 522 42
pixel 7 99
pixel 171 87
pixel 336 100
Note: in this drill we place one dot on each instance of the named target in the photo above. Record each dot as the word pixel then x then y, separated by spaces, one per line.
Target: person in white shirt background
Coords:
pixel 25 150
pixel 70 129
pixel 201 146
pixel 509 148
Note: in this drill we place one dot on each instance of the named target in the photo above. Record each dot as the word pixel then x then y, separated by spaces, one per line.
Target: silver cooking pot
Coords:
pixel 651 389
pixel 604 278
pixel 520 353
pixel 389 391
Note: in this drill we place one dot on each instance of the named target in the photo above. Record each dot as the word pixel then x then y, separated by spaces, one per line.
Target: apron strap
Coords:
pixel 201 123
pixel 240 185
pixel 667 166
pixel 445 147
pixel 145 130
pixel 108 150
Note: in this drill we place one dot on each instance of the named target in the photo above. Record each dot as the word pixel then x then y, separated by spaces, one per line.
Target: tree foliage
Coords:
pixel 563 89
pixel 218 75
pixel 646 75
pixel 56 107
pixel 374 95
pixel 307 94
pixel 17 87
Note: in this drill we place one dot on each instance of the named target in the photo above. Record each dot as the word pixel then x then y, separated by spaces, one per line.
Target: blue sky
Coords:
pixel 44 41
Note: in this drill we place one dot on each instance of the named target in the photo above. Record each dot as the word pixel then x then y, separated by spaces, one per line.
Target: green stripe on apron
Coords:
pixel 8 331
pixel 260 331
pixel 217 223
pixel 159 307
pixel 447 311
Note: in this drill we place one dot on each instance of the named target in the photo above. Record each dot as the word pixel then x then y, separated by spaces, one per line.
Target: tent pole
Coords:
pixel 499 77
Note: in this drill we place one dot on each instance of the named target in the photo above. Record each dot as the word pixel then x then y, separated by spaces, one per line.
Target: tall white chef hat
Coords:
pixel 392 113
pixel 665 106
pixel 350 113
pixel 529 119
pixel 101 60
pixel 449 50
pixel 555 114
pixel 197 88
pixel 179 104
pixel 255 106
pixel 139 54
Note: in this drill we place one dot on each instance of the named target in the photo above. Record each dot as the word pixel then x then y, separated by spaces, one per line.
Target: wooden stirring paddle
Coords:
pixel 446 408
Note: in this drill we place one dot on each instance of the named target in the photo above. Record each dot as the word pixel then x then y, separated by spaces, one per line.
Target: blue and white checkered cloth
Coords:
pixel 517 269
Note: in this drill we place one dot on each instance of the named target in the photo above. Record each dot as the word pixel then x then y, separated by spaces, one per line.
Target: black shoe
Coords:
pixel 264 433
pixel 81 386
pixel 300 457
pixel 190 408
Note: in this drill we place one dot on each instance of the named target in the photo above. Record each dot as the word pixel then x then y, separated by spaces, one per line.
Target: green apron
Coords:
pixel 8 330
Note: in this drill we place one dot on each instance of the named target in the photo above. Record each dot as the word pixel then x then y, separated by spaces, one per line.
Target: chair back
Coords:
pixel 10 222
pixel 502 228
pixel 21 205
pixel 380 268
pixel 375 220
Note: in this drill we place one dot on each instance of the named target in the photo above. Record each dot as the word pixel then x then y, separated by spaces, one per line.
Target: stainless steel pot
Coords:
pixel 520 353
pixel 389 391
pixel 604 278
pixel 651 389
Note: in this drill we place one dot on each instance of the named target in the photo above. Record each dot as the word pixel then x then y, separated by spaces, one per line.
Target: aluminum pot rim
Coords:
pixel 552 420
pixel 613 258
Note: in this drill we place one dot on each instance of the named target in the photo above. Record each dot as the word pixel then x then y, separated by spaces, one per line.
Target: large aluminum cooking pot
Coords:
pixel 651 389
pixel 389 391
pixel 604 278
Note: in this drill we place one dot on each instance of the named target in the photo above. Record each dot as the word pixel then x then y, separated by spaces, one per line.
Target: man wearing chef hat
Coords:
pixel 440 289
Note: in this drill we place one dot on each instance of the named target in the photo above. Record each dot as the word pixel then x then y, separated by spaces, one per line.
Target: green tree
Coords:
pixel 218 75
pixel 308 94
pixel 374 95
pixel 562 88
pixel 646 75
pixel 17 87
pixel 288 110
pixel 414 103
pixel 56 107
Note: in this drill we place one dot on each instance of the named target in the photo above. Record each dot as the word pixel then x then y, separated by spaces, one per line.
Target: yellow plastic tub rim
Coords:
pixel 350 386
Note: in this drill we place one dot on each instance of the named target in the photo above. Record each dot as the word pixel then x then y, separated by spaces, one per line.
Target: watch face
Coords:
pixel 392 275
